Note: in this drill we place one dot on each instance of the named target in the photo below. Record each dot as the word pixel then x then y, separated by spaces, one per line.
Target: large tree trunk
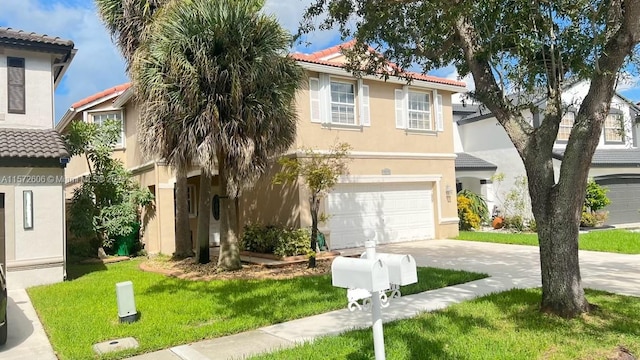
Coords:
pixel 184 247
pixel 204 210
pixel 229 258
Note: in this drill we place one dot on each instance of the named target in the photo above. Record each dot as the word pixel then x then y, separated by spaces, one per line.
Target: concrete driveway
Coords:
pixel 520 264
pixel 27 339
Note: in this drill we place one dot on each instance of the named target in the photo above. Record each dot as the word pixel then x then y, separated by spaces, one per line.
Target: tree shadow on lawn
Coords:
pixel 78 270
pixel 272 301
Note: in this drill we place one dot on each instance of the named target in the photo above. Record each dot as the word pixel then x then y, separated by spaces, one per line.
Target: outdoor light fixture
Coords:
pixel 126 302
pixel 449 192
pixel 27 209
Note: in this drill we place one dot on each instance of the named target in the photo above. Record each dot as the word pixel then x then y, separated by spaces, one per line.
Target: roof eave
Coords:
pixel 124 98
pixel 336 70
pixel 64 67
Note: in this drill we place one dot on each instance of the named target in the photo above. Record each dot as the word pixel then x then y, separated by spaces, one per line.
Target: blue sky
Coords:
pixel 98 64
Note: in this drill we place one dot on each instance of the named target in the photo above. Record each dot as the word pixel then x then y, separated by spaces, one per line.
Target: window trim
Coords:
pixel 11 88
pixel 353 85
pixel 564 141
pixel 192 201
pixel 117 146
pixel 430 111
pixel 620 130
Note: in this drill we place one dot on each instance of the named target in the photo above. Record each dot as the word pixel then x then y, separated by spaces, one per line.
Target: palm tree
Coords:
pixel 215 75
pixel 127 21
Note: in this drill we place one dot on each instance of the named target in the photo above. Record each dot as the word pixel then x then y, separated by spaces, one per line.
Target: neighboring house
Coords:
pixel 485 150
pixel 32 157
pixel 401 178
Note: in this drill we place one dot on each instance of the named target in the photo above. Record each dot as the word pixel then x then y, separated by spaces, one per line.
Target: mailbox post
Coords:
pixel 376 310
pixel 369 278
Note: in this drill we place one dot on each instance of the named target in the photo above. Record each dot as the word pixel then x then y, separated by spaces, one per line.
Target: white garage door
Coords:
pixel 396 211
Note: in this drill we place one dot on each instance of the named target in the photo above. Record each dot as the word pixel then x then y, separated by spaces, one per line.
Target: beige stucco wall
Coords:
pixel 382 135
pixel 34 256
pixel 38 91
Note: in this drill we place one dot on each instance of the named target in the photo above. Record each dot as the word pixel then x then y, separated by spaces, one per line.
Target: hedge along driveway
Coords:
pixel 77 314
pixel 617 241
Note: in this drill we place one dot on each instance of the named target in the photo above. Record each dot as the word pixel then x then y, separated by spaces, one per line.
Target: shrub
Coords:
pixel 515 223
pixel 532 225
pixel 596 196
pixel 468 218
pixel 601 216
pixel 478 204
pixel 275 240
pixel 588 219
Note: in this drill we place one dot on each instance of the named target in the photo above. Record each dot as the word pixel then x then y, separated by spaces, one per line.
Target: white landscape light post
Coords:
pixel 126 302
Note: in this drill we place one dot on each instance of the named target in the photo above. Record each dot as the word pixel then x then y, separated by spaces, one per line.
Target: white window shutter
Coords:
pixel 314 95
pixel 363 92
pixel 325 98
pixel 439 112
pixel 400 109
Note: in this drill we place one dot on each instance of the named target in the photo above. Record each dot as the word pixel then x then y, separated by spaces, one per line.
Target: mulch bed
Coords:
pixel 189 269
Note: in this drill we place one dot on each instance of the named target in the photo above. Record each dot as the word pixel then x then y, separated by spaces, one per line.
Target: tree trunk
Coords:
pixel 184 247
pixel 314 203
pixel 229 258
pixel 204 211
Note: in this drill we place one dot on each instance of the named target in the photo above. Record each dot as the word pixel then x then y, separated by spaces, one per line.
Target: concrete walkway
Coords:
pixel 510 266
pixel 26 337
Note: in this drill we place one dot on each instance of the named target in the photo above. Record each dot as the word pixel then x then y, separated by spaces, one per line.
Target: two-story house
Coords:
pixel 32 158
pixel 401 180
pixel 615 164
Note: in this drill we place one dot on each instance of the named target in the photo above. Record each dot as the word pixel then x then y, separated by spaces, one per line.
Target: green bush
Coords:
pixel 275 240
pixel 596 196
pixel 515 223
pixel 532 225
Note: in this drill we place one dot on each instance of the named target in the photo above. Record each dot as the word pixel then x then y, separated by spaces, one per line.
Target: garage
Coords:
pixel 624 193
pixel 396 211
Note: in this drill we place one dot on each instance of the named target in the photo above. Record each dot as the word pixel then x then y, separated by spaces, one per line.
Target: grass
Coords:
pixel 79 313
pixel 616 241
pixel 502 326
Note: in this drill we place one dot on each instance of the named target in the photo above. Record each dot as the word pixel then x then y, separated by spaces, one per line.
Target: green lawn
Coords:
pixel 500 326
pixel 81 312
pixel 617 241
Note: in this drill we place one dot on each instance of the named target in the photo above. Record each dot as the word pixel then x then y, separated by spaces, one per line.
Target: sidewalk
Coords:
pixel 291 333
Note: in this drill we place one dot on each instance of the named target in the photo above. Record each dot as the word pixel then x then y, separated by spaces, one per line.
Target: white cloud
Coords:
pixel 97 65
pixel 452 73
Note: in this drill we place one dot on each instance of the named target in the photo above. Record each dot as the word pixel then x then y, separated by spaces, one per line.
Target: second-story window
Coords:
pixel 566 124
pixel 102 117
pixel 419 111
pixel 339 101
pixel 613 132
pixel 16 85
pixel 343 103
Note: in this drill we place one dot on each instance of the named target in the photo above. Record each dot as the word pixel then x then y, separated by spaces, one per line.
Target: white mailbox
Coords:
pixel 356 273
pixel 402 268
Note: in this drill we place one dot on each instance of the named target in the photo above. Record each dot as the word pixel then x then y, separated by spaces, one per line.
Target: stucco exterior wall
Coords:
pixel 38 91
pixel 34 256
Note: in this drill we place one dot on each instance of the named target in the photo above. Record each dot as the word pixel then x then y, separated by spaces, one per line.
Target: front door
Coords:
pixel 214 223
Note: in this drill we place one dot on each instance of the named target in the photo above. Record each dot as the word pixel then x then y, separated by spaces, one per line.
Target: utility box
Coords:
pixel 402 268
pixel 350 273
pixel 126 302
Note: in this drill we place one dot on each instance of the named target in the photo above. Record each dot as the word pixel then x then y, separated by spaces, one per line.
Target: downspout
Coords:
pixel 63 164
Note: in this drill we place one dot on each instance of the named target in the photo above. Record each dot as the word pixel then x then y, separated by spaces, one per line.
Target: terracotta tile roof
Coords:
pixel 110 91
pixel 7 33
pixel 317 56
pixel 31 144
